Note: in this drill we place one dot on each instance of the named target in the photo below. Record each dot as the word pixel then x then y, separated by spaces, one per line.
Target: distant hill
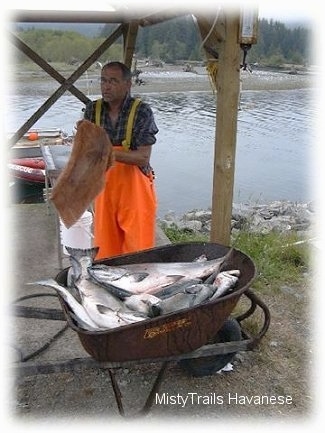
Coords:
pixel 94 30
pixel 86 29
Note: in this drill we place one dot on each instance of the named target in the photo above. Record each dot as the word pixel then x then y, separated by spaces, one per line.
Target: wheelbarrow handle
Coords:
pixel 255 301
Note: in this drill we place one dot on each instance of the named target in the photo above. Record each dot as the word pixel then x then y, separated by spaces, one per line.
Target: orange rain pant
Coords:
pixel 125 212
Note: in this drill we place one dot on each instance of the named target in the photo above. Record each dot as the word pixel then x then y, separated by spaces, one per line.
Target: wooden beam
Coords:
pixel 66 16
pixel 66 85
pixel 46 67
pixel 162 16
pixel 129 41
pixel 146 18
pixel 228 85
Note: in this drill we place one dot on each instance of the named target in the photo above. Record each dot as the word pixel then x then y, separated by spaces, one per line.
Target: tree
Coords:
pixel 170 41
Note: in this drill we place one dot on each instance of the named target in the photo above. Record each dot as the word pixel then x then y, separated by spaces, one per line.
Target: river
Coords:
pixel 275 142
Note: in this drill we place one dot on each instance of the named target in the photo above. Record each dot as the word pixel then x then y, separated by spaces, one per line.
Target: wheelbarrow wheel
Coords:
pixel 199 367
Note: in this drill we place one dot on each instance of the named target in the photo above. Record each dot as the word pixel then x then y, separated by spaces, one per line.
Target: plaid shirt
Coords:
pixel 144 129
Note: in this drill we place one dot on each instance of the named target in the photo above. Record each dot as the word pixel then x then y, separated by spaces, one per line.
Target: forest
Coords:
pixel 173 41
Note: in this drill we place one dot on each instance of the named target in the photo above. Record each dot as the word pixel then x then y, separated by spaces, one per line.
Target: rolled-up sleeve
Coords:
pixel 145 129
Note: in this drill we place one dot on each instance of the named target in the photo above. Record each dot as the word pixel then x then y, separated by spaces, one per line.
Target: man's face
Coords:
pixel 113 86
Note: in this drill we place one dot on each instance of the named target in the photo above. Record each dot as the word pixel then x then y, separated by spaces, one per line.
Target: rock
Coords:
pixel 280 216
pixel 191 225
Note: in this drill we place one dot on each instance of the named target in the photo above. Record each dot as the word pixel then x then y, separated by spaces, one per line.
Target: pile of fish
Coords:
pixel 102 297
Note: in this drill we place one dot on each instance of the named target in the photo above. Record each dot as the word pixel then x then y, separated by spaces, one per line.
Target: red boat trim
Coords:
pixel 35 162
pixel 28 174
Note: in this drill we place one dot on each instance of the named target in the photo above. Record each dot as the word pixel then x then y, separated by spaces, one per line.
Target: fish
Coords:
pixel 191 296
pixel 90 293
pixel 80 313
pixel 225 281
pixel 194 292
pixel 132 282
pixel 148 289
pixel 112 272
pixel 144 303
pixel 152 277
pixel 109 318
pixel 92 315
pixel 105 309
pixel 81 266
pixel 173 289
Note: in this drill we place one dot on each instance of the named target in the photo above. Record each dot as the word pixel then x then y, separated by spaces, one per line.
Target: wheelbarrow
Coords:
pixel 199 338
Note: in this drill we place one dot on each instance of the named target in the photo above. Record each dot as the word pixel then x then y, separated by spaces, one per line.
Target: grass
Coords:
pixel 282 358
pixel 281 260
pixel 278 258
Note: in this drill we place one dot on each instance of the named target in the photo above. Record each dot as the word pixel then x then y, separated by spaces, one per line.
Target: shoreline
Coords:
pixel 174 79
pixel 178 81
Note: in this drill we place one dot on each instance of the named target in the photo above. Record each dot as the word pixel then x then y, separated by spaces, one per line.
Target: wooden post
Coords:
pixel 129 39
pixel 227 86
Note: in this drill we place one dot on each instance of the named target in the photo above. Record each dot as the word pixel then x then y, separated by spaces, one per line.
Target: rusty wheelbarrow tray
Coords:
pixel 172 334
pixel 188 334
pixel 175 333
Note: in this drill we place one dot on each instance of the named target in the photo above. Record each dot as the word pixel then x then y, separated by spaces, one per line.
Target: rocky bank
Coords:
pixel 280 216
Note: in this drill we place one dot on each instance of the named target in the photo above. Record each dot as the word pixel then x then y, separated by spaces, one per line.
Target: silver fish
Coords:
pixel 106 317
pixel 82 316
pixel 89 290
pixel 192 295
pixel 173 289
pixel 225 281
pixel 132 282
pixel 105 309
pixel 152 277
pixel 112 272
pixel 144 303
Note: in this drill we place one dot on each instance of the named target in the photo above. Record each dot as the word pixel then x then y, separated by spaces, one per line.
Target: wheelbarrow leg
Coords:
pixel 117 392
pixel 150 399
pixel 146 408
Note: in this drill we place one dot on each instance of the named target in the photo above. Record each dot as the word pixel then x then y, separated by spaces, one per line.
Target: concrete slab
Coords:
pixel 38 255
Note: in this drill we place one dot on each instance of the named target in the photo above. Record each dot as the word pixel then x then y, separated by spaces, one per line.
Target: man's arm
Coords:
pixel 139 157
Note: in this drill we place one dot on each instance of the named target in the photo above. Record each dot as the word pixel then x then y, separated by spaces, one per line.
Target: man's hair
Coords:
pixel 126 72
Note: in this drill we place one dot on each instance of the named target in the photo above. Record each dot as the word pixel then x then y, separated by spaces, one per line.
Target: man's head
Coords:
pixel 115 82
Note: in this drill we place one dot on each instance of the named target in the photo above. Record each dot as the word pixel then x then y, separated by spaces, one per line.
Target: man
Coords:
pixel 125 211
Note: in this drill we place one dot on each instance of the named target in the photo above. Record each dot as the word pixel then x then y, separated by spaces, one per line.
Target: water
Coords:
pixel 275 142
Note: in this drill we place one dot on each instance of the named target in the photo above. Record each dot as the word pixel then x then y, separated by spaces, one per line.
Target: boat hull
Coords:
pixel 27 170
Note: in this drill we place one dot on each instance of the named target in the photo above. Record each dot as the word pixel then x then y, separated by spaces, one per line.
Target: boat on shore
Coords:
pixel 27 170
pixel 26 164
pixel 29 146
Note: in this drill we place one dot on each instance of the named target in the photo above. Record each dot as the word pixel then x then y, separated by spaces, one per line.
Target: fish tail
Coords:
pixel 228 257
pixel 50 282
